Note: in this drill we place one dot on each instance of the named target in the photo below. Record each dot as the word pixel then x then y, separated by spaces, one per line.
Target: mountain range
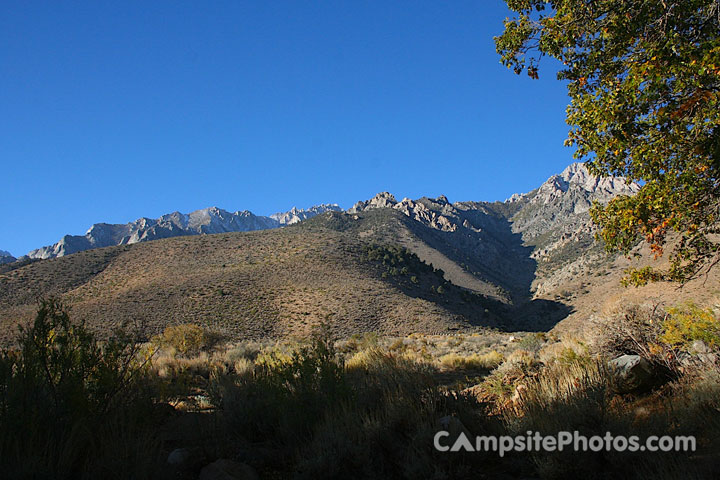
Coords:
pixel 392 266
pixel 206 221
pixel 574 188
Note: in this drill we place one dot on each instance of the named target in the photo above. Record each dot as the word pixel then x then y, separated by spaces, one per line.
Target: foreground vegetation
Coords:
pixel 364 407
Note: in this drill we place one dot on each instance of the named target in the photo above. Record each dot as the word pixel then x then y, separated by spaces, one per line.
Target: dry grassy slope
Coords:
pixel 392 227
pixel 580 282
pixel 493 264
pixel 597 292
pixel 499 272
pixel 247 285
pixel 278 283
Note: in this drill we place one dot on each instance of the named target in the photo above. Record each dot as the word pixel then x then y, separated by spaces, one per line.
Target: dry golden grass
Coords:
pixel 368 403
pixel 486 361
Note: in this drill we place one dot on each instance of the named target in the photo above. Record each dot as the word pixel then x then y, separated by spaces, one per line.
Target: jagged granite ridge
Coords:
pixel 205 221
pixel 552 220
pixel 296 215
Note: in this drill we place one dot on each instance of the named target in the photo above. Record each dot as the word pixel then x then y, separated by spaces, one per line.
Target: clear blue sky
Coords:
pixel 114 110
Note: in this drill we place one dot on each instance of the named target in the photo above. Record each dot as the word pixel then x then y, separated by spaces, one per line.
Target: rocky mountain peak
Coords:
pixel 6 257
pixel 552 221
pixel 432 212
pixel 577 175
pixel 295 215
pixel 575 172
pixel 515 197
pixel 381 200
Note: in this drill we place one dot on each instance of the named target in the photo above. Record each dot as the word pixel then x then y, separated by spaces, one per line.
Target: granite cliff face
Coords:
pixel 434 213
pixel 554 219
pixel 563 199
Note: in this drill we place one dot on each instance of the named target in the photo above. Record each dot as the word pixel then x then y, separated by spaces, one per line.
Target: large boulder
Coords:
pixel 632 374
pixel 224 469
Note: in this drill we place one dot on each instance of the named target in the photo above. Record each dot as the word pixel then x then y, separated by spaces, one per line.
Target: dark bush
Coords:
pixel 71 406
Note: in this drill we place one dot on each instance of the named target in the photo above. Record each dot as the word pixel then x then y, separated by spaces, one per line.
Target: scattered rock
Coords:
pixel 698 354
pixel 698 346
pixel 632 374
pixel 225 469
pixel 707 358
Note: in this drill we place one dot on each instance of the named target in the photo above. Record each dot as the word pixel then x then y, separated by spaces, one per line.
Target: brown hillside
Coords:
pixel 248 285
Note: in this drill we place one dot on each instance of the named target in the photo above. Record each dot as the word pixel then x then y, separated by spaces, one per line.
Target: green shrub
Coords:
pixel 398 260
pixel 570 356
pixel 656 334
pixel 285 395
pixel 688 323
pixel 70 405
pixel 532 342
pixel 186 339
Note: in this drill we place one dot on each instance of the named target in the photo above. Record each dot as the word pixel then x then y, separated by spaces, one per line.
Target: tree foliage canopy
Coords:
pixel 644 81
